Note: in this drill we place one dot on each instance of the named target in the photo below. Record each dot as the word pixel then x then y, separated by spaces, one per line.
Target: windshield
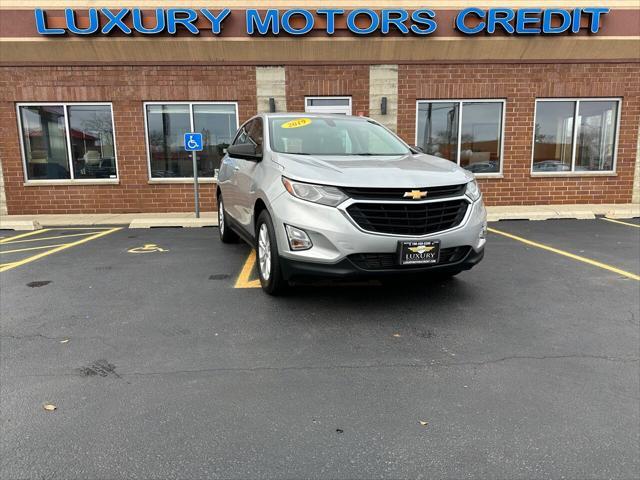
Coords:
pixel 332 136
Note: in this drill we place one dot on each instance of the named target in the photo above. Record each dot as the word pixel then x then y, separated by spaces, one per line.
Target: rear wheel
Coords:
pixel 226 234
pixel 269 268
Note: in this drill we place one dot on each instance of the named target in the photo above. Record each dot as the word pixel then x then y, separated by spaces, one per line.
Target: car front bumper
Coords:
pixel 338 241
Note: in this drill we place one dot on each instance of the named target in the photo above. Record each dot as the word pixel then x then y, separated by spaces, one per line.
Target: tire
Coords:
pixel 267 258
pixel 226 234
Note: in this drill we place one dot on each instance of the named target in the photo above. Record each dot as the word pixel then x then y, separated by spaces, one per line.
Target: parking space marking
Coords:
pixel 621 223
pixel 244 279
pixel 41 247
pixel 39 239
pixel 94 236
pixel 564 253
pixel 23 235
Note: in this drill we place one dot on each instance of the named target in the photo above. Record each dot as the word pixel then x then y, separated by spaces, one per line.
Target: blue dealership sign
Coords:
pixel 193 142
pixel 301 21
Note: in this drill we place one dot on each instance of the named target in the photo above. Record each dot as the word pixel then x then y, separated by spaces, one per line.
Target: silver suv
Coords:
pixel 331 195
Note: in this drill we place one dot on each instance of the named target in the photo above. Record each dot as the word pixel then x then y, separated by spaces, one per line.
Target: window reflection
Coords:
pixel 476 137
pixel 92 146
pixel 217 123
pixel 553 136
pixel 438 129
pixel 480 137
pixel 167 124
pixel 45 146
pixel 596 135
pixel 554 149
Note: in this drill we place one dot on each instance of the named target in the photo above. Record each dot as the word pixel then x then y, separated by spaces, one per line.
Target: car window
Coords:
pixel 241 137
pixel 332 136
pixel 254 131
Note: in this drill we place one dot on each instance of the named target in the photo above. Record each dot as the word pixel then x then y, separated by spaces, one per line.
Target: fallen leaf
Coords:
pixel 66 340
pixel 423 423
pixel 49 407
pixel 397 335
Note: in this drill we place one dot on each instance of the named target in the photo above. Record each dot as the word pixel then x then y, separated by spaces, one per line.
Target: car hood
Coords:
pixel 397 171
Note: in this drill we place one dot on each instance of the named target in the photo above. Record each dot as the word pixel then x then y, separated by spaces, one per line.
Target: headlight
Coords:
pixel 321 194
pixel 473 191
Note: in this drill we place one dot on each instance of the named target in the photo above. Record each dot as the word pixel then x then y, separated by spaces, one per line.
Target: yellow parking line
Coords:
pixel 79 228
pixel 41 247
pixel 621 223
pixel 54 238
pixel 244 280
pixel 9 266
pixel 578 258
pixel 22 235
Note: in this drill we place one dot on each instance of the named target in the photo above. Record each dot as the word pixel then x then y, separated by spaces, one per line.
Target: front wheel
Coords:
pixel 269 269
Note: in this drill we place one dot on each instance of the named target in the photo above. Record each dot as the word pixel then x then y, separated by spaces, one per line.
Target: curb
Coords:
pixel 20 225
pixel 173 222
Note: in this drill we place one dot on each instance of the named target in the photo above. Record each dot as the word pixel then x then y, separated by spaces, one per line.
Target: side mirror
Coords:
pixel 246 151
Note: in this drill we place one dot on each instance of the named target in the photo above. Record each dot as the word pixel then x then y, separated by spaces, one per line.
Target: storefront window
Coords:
pixel 45 146
pixel 68 141
pixel 466 132
pixel 166 126
pixel 562 144
pixel 438 129
pixel 218 124
pixel 92 147
pixel 328 105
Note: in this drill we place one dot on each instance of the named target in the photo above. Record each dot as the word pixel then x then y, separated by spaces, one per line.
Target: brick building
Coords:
pixel 93 123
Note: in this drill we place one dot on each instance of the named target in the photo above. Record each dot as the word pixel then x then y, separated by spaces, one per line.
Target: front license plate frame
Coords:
pixel 418 252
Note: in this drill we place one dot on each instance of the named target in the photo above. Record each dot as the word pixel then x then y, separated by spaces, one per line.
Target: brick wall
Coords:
pixel 520 85
pixel 328 80
pixel 126 87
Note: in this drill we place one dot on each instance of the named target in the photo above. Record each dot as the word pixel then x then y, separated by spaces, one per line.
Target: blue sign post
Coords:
pixel 193 143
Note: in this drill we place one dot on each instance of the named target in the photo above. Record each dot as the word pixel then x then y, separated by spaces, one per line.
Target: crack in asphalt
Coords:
pixel 433 364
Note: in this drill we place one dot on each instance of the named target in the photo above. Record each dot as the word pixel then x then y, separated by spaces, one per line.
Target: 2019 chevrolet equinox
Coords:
pixel 335 195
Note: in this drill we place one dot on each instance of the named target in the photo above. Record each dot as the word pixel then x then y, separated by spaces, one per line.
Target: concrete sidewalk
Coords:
pixel 132 220
pixel 210 219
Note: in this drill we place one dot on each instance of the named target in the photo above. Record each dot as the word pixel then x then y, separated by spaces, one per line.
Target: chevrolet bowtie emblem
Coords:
pixel 420 249
pixel 415 194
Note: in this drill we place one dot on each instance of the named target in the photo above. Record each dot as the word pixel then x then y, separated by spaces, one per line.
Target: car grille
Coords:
pixel 386 261
pixel 408 218
pixel 398 193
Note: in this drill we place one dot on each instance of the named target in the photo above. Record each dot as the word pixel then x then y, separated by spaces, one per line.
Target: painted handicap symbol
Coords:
pixel 147 248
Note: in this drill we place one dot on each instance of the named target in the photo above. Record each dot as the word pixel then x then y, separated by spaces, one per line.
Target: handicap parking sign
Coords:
pixel 193 142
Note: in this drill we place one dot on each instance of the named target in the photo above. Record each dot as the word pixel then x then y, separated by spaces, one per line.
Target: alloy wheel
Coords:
pixel 264 252
pixel 221 217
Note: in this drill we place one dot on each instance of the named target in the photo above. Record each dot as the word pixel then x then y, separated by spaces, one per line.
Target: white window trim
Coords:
pixel 573 173
pixel 499 173
pixel 153 180
pixel 72 180
pixel 328 108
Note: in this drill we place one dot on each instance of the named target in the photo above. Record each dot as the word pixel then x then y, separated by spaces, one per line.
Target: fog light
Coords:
pixel 298 238
pixel 483 232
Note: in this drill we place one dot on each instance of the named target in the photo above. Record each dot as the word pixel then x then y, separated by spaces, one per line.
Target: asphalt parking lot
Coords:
pixel 164 361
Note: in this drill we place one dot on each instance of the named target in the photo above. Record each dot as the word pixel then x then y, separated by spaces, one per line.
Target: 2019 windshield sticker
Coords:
pixel 297 123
